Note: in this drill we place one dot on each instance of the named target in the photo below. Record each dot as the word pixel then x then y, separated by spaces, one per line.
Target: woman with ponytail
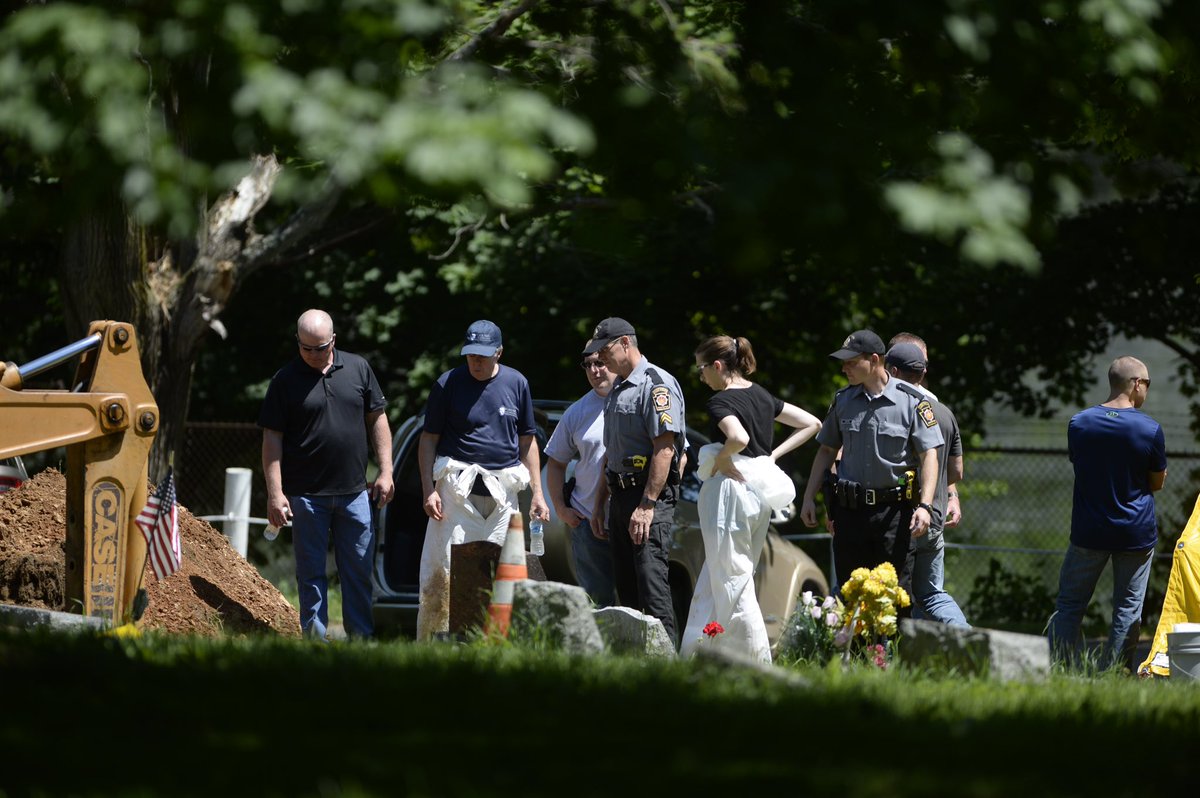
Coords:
pixel 742 485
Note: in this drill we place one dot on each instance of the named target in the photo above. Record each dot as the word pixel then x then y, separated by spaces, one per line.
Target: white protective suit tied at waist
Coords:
pixel 734 520
pixel 461 522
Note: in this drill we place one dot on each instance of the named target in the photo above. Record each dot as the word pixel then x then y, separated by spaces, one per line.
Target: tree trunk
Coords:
pixel 102 276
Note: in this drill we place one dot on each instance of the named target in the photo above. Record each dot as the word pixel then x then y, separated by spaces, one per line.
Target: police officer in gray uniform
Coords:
pixel 889 436
pixel 644 441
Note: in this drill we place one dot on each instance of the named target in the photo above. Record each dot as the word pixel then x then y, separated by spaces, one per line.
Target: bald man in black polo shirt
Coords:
pixel 318 413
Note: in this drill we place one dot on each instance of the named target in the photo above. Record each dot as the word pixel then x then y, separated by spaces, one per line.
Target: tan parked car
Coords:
pixel 784 570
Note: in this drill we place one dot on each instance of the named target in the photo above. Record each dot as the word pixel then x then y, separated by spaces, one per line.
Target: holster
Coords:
pixel 846 493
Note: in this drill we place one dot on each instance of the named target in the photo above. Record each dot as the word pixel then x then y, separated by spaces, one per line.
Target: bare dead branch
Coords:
pixel 459 234
pixel 498 28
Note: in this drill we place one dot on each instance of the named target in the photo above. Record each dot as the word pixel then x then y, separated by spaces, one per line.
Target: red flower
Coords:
pixel 713 629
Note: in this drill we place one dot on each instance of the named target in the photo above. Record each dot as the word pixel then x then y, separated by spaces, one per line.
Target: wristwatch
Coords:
pixel 927 507
pixel 646 502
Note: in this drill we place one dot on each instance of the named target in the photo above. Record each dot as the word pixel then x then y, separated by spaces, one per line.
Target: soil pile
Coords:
pixel 214 592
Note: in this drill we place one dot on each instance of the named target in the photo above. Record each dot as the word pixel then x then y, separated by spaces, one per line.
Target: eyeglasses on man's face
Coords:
pixel 591 364
pixel 318 347
pixel 1136 380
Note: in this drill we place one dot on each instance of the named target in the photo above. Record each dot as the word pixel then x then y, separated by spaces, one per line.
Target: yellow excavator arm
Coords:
pixel 108 423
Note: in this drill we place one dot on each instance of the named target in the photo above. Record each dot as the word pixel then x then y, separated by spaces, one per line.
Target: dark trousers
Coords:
pixel 867 536
pixel 640 572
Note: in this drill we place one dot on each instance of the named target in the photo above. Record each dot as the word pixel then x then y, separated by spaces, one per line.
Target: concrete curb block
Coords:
pixel 15 617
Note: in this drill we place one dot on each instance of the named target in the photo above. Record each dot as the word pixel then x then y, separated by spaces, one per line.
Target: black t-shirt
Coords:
pixel 323 421
pixel 755 408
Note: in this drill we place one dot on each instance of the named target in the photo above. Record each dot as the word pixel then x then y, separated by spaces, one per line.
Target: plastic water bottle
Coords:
pixel 272 531
pixel 537 541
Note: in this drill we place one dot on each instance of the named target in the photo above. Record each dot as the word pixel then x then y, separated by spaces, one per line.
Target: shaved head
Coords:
pixel 1124 369
pixel 315 324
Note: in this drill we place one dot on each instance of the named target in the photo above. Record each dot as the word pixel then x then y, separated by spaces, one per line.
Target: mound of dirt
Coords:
pixel 214 592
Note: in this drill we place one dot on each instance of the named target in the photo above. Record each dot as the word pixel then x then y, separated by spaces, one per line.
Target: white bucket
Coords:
pixel 1183 649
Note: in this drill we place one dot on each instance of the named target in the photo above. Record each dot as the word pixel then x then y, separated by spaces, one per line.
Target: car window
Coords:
pixel 545 428
pixel 689 486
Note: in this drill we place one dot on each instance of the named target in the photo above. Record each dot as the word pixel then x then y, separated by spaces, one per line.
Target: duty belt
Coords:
pixel 618 481
pixel 851 494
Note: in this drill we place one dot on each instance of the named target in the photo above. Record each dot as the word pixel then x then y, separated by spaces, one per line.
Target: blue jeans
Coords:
pixel 1081 570
pixel 348 518
pixel 930 599
pixel 593 564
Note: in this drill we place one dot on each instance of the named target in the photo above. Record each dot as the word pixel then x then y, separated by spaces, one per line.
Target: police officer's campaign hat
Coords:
pixel 607 330
pixel 483 338
pixel 906 357
pixel 860 342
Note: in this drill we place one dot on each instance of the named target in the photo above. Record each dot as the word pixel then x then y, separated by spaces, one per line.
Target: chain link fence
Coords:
pixel 1002 562
pixel 209 447
pixel 1017 512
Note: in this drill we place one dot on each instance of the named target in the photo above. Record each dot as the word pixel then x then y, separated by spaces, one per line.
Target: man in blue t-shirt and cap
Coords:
pixel 1120 460
pixel 477 450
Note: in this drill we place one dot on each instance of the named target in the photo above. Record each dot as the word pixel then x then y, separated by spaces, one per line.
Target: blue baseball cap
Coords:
pixel 483 338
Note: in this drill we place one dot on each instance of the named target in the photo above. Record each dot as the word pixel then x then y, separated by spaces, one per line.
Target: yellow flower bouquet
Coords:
pixel 873 599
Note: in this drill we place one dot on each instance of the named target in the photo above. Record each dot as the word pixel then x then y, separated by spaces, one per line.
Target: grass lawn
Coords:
pixel 156 716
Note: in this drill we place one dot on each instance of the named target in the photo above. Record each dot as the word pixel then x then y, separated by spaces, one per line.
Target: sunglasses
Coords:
pixel 317 348
pixel 591 364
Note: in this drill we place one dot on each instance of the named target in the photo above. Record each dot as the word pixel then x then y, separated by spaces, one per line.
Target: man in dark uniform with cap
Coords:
pixel 886 430
pixel 907 360
pixel 644 439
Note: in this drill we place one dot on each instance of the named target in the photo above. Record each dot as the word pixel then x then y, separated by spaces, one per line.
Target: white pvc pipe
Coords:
pixel 237 508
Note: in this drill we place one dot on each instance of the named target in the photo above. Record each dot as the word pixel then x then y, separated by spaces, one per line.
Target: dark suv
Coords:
pixel 783 572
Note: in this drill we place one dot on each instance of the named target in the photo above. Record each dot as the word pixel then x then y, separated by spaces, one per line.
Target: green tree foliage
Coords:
pixel 787 171
pixel 171 150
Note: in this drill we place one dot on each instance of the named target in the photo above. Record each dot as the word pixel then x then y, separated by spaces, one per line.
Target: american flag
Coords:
pixel 159 523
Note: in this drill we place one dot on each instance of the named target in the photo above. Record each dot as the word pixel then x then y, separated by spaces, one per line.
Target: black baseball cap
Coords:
pixel 859 342
pixel 606 331
pixel 906 357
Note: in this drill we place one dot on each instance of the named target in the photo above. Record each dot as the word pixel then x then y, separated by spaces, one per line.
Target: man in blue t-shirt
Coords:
pixel 476 451
pixel 1120 460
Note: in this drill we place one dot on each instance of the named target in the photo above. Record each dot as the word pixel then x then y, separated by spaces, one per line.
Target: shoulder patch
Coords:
pixel 925 411
pixel 661 396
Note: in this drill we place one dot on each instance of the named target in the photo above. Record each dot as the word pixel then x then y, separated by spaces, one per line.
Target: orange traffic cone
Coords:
pixel 510 569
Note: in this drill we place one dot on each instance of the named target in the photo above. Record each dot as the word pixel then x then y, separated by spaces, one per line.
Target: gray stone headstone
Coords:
pixel 628 631
pixel 562 614
pixel 1005 656
pixel 734 660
